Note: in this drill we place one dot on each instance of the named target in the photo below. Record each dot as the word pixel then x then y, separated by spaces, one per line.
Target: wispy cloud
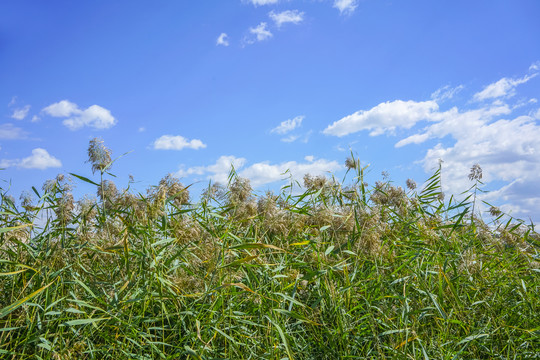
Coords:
pixel 223 39
pixel 446 93
pixel 262 2
pixel 288 125
pixel 287 16
pixel 346 6
pixel 20 113
pixel 10 132
pixel 40 159
pixel 290 138
pixel 172 142
pixel 94 116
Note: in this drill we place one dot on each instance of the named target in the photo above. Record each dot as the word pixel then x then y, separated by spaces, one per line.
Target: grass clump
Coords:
pixel 339 271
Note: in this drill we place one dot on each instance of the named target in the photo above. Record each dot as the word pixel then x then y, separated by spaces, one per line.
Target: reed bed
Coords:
pixel 341 271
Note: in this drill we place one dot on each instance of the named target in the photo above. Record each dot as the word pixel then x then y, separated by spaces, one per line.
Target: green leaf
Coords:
pixel 84 179
pixel 8 309
pixel 472 337
pixel 256 246
pixel 283 337
pixel 329 250
pixel 84 321
pixel 11 228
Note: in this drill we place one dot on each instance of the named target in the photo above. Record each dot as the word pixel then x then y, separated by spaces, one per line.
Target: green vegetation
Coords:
pixel 336 272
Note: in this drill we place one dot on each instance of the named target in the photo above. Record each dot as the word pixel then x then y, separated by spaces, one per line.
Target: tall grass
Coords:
pixel 340 271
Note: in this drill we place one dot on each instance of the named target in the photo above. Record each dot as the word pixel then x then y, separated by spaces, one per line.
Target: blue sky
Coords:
pixel 190 87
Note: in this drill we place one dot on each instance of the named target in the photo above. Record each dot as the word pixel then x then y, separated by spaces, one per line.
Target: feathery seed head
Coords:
pixel 314 182
pixel 26 200
pixel 495 211
pixel 240 190
pixel 98 155
pixel 215 191
pixel 64 208
pixel 170 186
pixel 476 172
pixel 411 184
pixel 108 193
pixel 351 163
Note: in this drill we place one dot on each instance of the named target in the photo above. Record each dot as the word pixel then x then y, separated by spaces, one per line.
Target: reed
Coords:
pixel 340 271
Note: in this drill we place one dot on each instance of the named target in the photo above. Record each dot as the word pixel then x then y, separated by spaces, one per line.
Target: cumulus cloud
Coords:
pixel 258 33
pixel 10 132
pixel 262 173
pixel 384 118
pixel 287 16
pixel 345 6
pixel 20 113
pixel 223 40
pixel 172 142
pixel 503 137
pixel 503 88
pixel 218 172
pixel 94 116
pixel 40 159
pixel 62 108
pixel 288 125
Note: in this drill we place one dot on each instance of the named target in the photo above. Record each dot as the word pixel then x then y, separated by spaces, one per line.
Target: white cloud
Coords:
pixel 384 118
pixel 290 138
pixel 503 88
pixel 445 93
pixel 171 142
pixel 503 138
pixel 288 125
pixel 62 108
pixel 141 129
pixel 20 113
pixel 35 118
pixel 223 39
pixel 262 173
pixel 345 6
pixel 287 16
pixel 262 2
pixel 40 159
pixel 260 32
pixel 413 139
pixel 218 172
pixel 94 116
pixel 10 132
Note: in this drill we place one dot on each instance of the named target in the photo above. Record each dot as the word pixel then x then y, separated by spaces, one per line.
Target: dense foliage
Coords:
pixel 335 272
